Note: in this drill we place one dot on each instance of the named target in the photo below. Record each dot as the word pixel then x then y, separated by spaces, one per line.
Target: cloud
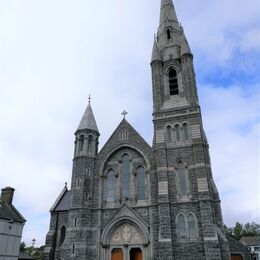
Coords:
pixel 54 54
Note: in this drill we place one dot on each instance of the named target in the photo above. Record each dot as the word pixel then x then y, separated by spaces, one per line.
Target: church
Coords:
pixel 134 201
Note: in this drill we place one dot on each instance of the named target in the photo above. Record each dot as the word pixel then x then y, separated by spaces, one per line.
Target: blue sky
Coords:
pixel 53 54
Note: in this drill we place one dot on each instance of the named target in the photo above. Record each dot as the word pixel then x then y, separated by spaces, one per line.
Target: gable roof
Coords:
pixel 9 212
pixel 251 241
pixel 62 203
pixel 134 139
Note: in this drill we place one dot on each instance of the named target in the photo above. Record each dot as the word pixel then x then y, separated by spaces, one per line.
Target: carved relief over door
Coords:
pixel 127 234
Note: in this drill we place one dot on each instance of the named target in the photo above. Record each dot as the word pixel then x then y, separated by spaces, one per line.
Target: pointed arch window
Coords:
pixel 62 234
pixel 168 34
pixel 140 182
pixel 90 144
pixel 125 176
pixel 111 181
pixel 181 225
pixel 177 133
pixel 173 82
pixel 182 178
pixel 185 132
pixel 169 134
pixel 81 142
pixel 192 230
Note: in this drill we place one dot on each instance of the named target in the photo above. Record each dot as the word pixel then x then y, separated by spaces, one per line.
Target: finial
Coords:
pixel 124 113
pixel 89 99
pixel 66 184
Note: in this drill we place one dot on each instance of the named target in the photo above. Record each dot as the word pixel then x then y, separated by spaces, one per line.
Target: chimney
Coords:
pixel 7 195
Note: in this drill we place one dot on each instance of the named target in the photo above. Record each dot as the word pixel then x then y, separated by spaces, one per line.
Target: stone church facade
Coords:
pixel 133 201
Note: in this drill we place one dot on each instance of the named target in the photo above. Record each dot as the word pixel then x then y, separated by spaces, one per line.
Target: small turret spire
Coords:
pixel 156 56
pixel 88 120
pixel 185 47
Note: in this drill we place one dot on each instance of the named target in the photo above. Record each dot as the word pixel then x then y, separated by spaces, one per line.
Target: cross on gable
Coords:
pixel 124 113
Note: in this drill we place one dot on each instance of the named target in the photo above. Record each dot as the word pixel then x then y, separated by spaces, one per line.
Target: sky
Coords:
pixel 53 54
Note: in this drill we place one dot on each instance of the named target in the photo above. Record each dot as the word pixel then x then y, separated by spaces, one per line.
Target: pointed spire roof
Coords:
pixel 88 120
pixel 168 13
pixel 156 56
pixel 185 47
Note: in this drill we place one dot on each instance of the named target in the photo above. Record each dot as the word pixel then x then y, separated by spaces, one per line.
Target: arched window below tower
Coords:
pixel 181 226
pixel 111 186
pixel 185 132
pixel 177 133
pixel 182 182
pixel 192 226
pixel 169 134
pixel 62 234
pixel 125 178
pixel 173 82
pixel 140 183
pixel 81 143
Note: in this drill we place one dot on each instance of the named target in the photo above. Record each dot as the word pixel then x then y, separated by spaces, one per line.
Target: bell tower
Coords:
pixel 188 201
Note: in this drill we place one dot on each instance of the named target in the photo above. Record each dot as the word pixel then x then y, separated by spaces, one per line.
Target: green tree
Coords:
pixel 22 247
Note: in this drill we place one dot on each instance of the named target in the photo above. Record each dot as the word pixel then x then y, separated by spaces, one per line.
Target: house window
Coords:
pixel 192 226
pixel 62 234
pixel 140 183
pixel 75 221
pixel 177 133
pixel 181 225
pixel 81 142
pixel 78 183
pixel 185 132
pixel 169 134
pixel 125 176
pixel 182 178
pixel 173 82
pixel 111 180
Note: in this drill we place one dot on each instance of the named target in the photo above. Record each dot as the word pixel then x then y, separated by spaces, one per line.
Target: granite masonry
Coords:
pixel 132 201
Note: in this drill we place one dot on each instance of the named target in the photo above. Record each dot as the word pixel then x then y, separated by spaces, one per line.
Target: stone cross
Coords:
pixel 124 113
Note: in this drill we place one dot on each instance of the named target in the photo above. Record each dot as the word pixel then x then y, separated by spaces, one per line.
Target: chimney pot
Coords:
pixel 7 195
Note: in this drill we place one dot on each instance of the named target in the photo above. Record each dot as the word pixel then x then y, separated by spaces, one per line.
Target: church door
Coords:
pixel 136 254
pixel 117 254
pixel 236 257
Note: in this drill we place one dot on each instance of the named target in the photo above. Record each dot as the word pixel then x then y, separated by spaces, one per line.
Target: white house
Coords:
pixel 11 226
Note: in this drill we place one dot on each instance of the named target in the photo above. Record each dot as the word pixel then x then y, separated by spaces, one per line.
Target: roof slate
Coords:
pixel 251 241
pixel 9 212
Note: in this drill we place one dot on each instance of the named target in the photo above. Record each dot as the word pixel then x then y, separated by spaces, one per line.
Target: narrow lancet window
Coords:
pixel 62 234
pixel 140 183
pixel 168 34
pixel 111 181
pixel 192 226
pixel 90 144
pixel 177 133
pixel 169 134
pixel 182 178
pixel 185 132
pixel 181 226
pixel 126 177
pixel 81 142
pixel 173 82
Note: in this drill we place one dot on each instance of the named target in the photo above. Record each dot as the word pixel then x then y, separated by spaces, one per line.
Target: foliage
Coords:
pixel 22 247
pixel 243 230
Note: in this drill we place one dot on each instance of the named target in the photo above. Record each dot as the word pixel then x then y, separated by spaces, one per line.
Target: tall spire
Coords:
pixel 168 13
pixel 88 120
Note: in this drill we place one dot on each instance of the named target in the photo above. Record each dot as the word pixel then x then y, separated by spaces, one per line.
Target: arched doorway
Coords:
pixel 136 254
pixel 117 254
pixel 236 257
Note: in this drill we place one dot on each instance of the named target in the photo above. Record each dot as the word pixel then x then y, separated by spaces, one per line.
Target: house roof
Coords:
pixel 9 212
pixel 24 256
pixel 251 241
